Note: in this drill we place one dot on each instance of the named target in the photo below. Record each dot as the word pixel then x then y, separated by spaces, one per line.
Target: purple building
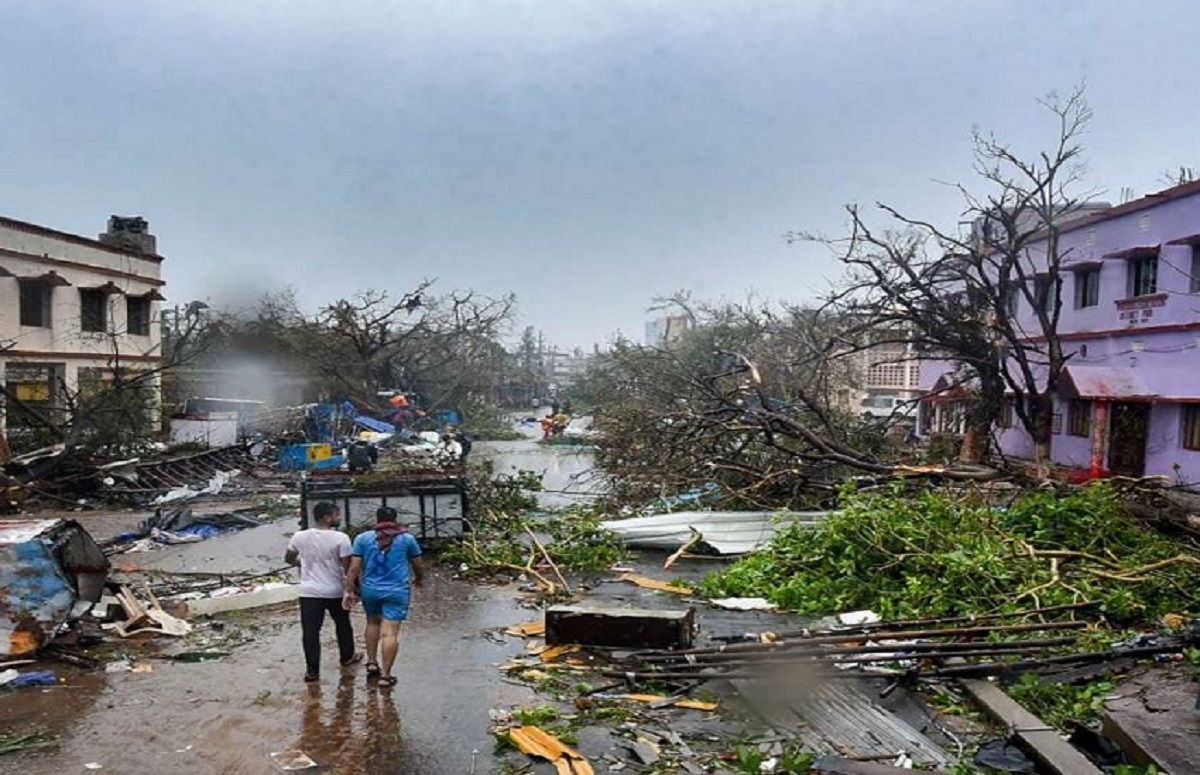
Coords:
pixel 1130 397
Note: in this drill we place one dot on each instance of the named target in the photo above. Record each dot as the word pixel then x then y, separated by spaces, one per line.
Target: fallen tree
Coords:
pixel 753 399
pixel 944 552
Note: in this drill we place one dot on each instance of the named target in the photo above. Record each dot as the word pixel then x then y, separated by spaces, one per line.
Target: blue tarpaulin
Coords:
pixel 46 566
pixel 371 424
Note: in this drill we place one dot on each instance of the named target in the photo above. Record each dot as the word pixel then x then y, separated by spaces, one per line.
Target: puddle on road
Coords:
pixel 566 471
pixel 229 716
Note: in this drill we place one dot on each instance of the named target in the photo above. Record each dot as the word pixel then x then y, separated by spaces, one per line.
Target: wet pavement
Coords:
pixel 230 715
pixel 567 476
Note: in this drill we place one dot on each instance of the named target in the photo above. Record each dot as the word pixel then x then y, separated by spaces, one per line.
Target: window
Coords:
pixel 1006 413
pixel 1079 418
pixel 1143 276
pixel 1190 435
pixel 1087 288
pixel 1194 277
pixel 137 315
pixel 93 304
pixel 1011 299
pixel 35 303
pixel 1045 293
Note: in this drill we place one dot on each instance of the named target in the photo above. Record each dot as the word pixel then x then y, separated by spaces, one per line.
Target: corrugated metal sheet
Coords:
pixel 840 718
pixel 728 532
pixel 46 567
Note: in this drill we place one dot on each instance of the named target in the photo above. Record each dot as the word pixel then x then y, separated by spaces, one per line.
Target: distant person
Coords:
pixel 449 450
pixel 322 553
pixel 387 562
pixel 361 457
pixel 465 443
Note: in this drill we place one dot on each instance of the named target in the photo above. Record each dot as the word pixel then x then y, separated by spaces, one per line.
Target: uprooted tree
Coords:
pixel 955 298
pixel 751 398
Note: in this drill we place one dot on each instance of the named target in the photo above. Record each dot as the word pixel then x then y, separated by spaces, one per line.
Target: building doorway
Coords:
pixel 1127 440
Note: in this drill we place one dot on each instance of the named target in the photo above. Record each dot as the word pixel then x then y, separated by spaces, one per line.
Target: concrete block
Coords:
pixel 257 598
pixel 619 627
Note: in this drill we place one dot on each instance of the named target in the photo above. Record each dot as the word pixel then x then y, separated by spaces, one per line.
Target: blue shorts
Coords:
pixel 393 606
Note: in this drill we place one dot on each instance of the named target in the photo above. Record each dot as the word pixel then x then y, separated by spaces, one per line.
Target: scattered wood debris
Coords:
pixel 534 741
pixel 144 621
pixel 662 586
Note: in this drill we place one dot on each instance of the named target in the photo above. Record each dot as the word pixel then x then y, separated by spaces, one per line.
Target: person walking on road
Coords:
pixel 387 561
pixel 323 555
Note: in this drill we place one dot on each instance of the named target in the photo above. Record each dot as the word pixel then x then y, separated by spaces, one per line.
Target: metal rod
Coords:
pixel 967 619
pixel 875 649
pixel 964 632
pixel 988 668
pixel 856 659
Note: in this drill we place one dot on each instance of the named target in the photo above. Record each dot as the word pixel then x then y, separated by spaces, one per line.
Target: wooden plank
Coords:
pixel 1044 742
pixel 833 765
pixel 1154 722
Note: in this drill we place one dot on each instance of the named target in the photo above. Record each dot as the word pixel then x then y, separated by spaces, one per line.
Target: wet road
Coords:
pixel 566 471
pixel 228 716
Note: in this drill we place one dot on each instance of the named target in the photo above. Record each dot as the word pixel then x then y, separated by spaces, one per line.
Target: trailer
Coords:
pixel 435 506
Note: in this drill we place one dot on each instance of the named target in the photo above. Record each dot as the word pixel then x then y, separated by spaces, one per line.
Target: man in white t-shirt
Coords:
pixel 323 554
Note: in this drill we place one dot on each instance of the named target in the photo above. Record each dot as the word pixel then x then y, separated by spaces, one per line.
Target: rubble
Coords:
pixel 67 476
pixel 142 621
pixel 48 569
pixel 181 525
pixel 534 741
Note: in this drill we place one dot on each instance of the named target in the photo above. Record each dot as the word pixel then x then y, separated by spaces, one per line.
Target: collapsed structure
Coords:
pixel 48 569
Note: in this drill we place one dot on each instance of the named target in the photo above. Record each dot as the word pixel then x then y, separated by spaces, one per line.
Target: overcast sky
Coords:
pixel 587 155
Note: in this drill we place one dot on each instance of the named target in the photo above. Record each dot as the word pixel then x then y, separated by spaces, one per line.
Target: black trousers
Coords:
pixel 312 616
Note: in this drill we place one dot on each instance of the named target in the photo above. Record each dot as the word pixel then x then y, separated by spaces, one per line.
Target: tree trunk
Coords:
pixel 974 445
pixel 1042 417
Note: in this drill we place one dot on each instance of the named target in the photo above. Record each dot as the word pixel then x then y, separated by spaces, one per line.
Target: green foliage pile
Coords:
pixel 11 742
pixel 1061 704
pixel 506 521
pixel 942 553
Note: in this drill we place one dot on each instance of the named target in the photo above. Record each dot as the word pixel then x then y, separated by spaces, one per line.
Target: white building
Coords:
pixel 891 381
pixel 73 309
pixel 563 370
pixel 667 330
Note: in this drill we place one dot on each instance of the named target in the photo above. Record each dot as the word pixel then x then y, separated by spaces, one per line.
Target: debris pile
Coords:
pixel 181 526
pixel 939 552
pixel 50 572
pixel 61 476
pixel 905 650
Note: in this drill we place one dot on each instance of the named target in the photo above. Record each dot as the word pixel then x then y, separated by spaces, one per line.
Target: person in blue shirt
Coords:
pixel 385 564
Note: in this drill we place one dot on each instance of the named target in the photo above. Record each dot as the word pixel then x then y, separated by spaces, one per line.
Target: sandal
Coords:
pixel 372 671
pixel 354 660
pixel 387 682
